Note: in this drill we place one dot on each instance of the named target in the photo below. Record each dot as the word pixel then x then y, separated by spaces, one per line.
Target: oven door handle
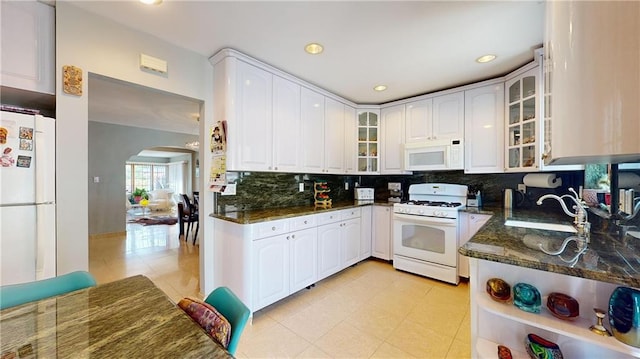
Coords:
pixel 450 222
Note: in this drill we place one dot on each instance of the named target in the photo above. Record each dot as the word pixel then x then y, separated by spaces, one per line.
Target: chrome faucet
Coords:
pixel 580 216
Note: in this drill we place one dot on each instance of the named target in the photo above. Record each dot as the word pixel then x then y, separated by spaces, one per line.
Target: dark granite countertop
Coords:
pixel 271 214
pixel 607 259
pixel 128 318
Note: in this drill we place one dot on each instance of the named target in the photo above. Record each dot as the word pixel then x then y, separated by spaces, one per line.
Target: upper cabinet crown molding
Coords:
pixel 228 52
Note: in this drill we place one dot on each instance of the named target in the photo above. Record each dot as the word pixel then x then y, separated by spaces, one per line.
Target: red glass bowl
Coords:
pixel 563 306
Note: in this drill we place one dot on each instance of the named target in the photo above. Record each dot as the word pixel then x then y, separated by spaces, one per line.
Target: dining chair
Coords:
pixel 15 294
pixel 190 216
pixel 232 308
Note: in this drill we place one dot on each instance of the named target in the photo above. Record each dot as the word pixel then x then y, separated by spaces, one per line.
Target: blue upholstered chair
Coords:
pixel 229 305
pixel 16 294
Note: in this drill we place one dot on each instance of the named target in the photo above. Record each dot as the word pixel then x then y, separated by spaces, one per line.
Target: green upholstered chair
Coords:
pixel 16 294
pixel 229 305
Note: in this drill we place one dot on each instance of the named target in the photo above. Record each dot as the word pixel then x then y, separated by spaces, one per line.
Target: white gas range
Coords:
pixel 426 230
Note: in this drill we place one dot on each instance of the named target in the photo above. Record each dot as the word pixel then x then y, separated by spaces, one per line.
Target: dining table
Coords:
pixel 127 318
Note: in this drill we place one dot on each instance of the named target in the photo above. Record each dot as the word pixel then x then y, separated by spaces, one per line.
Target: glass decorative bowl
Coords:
pixel 527 297
pixel 624 315
pixel 538 347
pixel 563 306
pixel 499 290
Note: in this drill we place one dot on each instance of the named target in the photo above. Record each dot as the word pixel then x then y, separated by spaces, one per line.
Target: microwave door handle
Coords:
pixel 446 156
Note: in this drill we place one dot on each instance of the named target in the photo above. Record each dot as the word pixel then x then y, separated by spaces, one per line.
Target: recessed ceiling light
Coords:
pixel 313 48
pixel 486 58
pixel 151 2
pixel 380 88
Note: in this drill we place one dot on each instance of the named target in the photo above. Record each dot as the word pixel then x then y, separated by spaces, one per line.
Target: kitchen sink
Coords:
pixel 539 225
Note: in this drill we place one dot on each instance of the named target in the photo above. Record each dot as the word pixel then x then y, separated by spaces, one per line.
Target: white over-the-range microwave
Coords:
pixel 445 154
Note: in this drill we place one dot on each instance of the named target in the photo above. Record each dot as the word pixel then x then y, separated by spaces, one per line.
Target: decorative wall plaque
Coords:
pixel 72 80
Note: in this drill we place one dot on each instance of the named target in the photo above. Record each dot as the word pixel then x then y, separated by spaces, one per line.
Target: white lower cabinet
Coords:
pixel 350 234
pixel 303 259
pixel 365 232
pixel 338 242
pixel 271 270
pixel 265 262
pixel 470 223
pixel 381 241
pixel 329 249
pixel 494 323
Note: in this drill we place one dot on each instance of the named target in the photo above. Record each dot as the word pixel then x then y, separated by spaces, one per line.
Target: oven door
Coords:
pixel 429 239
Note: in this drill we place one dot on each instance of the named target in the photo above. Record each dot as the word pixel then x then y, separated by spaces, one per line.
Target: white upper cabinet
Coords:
pixel 334 136
pixel 392 139
pixel 522 121
pixel 28 46
pixel 254 111
pixel 286 125
pixel 595 81
pixel 484 129
pixel 439 117
pixel 448 116
pixel 419 121
pixel 367 147
pixel 350 137
pixel 312 120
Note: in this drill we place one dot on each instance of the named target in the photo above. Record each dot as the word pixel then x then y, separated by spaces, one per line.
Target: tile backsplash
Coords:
pixel 257 190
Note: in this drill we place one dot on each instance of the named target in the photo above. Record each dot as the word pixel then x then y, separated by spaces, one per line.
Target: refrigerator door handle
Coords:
pixel 45 159
pixel 45 241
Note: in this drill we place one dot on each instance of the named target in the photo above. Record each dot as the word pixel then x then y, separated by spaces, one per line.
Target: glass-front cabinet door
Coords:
pixel 522 112
pixel 368 140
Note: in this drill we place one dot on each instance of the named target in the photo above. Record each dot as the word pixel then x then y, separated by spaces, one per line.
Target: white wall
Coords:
pixel 100 46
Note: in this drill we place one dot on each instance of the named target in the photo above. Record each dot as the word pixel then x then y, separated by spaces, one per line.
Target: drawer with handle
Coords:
pixel 268 229
pixel 302 222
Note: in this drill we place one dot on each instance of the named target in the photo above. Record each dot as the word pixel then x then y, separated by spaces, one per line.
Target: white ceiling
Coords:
pixel 413 47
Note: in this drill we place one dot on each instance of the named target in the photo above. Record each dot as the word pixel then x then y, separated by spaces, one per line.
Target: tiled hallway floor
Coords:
pixel 366 311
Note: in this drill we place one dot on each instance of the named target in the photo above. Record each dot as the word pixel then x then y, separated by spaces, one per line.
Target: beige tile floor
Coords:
pixel 366 311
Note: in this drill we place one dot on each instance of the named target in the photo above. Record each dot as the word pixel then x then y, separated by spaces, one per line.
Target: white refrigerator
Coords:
pixel 27 198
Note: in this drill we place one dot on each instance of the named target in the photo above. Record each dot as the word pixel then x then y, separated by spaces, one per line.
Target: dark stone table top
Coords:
pixel 271 214
pixel 607 258
pixel 129 318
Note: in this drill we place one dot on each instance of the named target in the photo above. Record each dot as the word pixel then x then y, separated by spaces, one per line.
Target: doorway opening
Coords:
pixel 131 124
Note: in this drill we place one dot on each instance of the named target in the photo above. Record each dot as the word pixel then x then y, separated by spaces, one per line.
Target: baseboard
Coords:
pixel 107 235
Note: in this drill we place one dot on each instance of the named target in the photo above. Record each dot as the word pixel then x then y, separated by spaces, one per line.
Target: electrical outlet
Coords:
pixel 301 187
pixel 346 186
pixel 522 187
